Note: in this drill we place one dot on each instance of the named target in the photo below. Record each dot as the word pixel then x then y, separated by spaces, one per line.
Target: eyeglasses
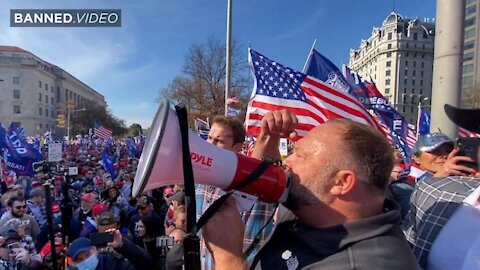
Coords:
pixel 20 207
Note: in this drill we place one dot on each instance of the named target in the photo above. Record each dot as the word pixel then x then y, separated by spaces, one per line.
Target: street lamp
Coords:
pixel 68 120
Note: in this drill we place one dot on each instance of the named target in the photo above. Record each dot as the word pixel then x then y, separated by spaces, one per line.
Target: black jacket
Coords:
pixel 135 258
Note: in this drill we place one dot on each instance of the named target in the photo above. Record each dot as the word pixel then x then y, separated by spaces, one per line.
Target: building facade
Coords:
pixel 34 92
pixel 471 69
pixel 398 56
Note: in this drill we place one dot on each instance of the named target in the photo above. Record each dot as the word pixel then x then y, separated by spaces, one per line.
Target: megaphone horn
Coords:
pixel 161 163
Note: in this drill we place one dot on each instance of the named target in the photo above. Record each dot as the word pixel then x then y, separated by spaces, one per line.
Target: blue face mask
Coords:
pixel 89 264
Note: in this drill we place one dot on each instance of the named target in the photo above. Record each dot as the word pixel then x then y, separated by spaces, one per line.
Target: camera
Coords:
pixel 165 241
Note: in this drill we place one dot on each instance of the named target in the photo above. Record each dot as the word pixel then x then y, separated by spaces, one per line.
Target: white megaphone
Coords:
pixel 161 163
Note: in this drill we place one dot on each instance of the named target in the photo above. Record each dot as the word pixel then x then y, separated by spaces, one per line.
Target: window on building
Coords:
pixel 470 33
pixel 405 81
pixel 468 56
pixel 52 113
pixel 39 84
pixel 46 87
pixel 413 82
pixel 40 111
pixel 389 36
pixel 468 68
pixel 406 63
pixel 407 44
pixel 424 35
pixel 413 90
pixel 469 22
pixel 16 109
pixel 421 91
pixel 52 100
pixel 58 94
pixel 389 54
pixel 389 45
pixel 407 54
pixel 39 96
pixel 16 80
pixel 387 90
pixel 66 94
pixel 405 72
pixel 421 73
pixel 411 111
pixel 421 82
pixel 469 45
pixel 403 109
pixel 470 10
pixel 16 94
pixel 415 36
pixel 467 80
pixel 46 99
pixel 404 90
pixel 387 73
pixel 388 64
pixel 46 112
pixel 414 64
pixel 387 82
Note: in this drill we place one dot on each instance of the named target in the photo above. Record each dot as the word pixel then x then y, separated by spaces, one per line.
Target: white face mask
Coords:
pixel 88 264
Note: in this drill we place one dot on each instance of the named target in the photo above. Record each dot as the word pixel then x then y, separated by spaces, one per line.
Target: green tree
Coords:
pixel 134 130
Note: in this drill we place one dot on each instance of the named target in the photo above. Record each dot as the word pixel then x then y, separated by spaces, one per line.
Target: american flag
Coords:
pixel 313 101
pixel 101 131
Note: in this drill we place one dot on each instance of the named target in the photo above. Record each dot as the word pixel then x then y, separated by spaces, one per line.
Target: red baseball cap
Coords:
pixel 87 197
pixel 47 249
pixel 99 208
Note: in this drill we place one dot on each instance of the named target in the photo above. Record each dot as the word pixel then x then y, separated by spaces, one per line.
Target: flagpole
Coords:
pixel 228 53
pixel 308 57
pixel 418 117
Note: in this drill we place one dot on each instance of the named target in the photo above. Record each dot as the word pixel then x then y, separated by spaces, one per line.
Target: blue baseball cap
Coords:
pixel 430 142
pixel 78 246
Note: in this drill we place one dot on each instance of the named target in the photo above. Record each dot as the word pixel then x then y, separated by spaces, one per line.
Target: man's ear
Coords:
pixel 416 159
pixel 237 147
pixel 345 181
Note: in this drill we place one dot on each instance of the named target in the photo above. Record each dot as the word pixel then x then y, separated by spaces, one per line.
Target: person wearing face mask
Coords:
pixel 85 256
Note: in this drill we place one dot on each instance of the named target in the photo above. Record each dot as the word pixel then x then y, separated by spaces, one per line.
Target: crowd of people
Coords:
pixel 350 206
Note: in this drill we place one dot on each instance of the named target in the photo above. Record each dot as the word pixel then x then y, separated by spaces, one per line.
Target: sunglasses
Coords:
pixel 21 207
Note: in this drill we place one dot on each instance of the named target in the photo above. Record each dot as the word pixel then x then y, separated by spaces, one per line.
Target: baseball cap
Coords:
pixel 88 197
pixel 37 192
pixel 179 197
pixel 100 181
pixel 47 249
pixel 99 208
pixel 430 142
pixel 143 201
pixel 78 246
pixel 10 234
pixel 106 218
pixel 468 119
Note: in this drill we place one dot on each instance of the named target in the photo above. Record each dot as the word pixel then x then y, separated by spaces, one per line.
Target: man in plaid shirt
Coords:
pixel 229 133
pixel 435 200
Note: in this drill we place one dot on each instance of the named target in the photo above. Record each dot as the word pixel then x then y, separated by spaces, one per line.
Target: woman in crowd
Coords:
pixel 147 230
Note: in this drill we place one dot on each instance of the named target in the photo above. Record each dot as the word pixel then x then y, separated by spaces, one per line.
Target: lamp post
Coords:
pixel 68 120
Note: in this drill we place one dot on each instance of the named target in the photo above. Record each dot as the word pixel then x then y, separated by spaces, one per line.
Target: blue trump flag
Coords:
pixel 323 69
pixel 108 161
pixel 18 154
pixel 132 148
pixel 423 125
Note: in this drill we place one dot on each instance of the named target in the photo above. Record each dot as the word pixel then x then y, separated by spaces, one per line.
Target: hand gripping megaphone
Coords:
pixel 161 163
